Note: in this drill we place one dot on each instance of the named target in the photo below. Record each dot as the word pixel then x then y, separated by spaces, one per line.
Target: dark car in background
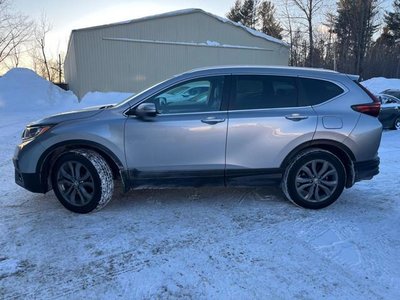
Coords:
pixel 390 111
pixel 392 92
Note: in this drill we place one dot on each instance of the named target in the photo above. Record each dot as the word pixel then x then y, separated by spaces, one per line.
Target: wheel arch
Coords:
pixel 340 150
pixel 49 157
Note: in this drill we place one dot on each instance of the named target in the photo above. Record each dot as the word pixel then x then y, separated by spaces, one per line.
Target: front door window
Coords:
pixel 200 95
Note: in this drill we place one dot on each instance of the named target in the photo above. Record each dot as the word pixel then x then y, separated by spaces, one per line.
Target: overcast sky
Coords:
pixel 65 15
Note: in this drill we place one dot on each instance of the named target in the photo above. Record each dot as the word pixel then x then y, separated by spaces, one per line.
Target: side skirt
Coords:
pixel 253 177
pixel 136 179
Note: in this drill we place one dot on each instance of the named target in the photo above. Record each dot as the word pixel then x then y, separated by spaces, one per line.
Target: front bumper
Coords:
pixel 29 181
pixel 366 170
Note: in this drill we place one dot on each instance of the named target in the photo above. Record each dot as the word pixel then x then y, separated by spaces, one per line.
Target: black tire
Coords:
pixel 396 124
pixel 314 179
pixel 82 181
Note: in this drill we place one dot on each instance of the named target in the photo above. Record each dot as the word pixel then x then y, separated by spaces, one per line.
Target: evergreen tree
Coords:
pixel 248 12
pixel 234 14
pixel 383 57
pixel 392 20
pixel 355 26
pixel 244 13
pixel 268 23
pixel 331 49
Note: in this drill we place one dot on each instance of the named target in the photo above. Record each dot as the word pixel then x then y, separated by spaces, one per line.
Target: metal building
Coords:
pixel 130 56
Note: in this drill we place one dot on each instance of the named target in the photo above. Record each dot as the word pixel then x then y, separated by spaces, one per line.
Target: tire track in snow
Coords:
pixel 108 268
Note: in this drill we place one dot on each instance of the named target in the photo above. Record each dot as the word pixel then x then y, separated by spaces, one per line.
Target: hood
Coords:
pixel 69 116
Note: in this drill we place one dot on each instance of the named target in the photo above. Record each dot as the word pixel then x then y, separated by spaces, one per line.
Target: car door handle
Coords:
pixel 296 117
pixel 212 120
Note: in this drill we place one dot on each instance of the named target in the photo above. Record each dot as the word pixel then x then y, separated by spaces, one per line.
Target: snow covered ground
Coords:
pixel 211 243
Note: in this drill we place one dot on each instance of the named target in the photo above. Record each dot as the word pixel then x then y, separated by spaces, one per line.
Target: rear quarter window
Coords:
pixel 316 91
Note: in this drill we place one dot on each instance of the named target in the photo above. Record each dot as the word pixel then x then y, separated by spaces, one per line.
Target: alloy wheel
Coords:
pixel 316 180
pixel 75 183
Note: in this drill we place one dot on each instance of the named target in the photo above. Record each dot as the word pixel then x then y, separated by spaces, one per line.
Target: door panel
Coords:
pixel 176 143
pixel 179 146
pixel 259 139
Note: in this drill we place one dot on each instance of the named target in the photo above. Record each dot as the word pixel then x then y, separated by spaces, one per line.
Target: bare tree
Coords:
pixel 39 53
pixel 309 8
pixel 56 68
pixel 14 58
pixel 15 30
pixel 288 28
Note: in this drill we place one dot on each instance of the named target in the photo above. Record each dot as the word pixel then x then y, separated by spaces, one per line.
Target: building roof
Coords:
pixel 190 11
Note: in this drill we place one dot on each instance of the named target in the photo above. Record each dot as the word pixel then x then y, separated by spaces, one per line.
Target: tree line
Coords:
pixel 350 36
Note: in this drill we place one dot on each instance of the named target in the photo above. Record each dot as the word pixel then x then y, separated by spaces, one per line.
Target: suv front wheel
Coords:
pixel 82 181
pixel 314 179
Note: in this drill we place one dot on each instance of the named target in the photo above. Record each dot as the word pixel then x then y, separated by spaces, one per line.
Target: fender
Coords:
pixel 321 143
pixel 47 158
pixel 342 151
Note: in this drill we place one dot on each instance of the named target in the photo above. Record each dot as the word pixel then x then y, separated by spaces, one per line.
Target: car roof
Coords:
pixel 247 69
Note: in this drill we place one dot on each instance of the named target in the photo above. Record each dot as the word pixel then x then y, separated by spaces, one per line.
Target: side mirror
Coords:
pixel 146 111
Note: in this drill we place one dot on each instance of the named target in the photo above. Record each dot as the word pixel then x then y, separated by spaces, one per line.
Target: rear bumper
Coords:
pixel 29 181
pixel 366 170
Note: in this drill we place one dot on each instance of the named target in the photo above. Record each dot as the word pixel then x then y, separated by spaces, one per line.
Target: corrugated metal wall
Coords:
pixel 95 63
pixel 70 66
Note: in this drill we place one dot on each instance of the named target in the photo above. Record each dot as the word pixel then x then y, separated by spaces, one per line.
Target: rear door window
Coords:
pixel 263 91
pixel 316 91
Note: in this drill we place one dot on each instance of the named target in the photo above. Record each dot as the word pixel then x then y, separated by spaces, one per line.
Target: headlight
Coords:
pixel 34 131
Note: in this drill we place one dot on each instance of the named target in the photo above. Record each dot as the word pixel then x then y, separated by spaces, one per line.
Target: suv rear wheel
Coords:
pixel 314 179
pixel 82 181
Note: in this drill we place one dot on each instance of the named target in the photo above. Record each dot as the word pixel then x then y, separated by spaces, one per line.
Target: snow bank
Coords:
pixel 23 90
pixel 379 84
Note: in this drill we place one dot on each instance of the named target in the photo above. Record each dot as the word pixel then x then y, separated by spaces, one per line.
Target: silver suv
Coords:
pixel 314 132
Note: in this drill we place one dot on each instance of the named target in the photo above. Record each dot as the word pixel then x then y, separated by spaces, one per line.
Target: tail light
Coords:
pixel 372 109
